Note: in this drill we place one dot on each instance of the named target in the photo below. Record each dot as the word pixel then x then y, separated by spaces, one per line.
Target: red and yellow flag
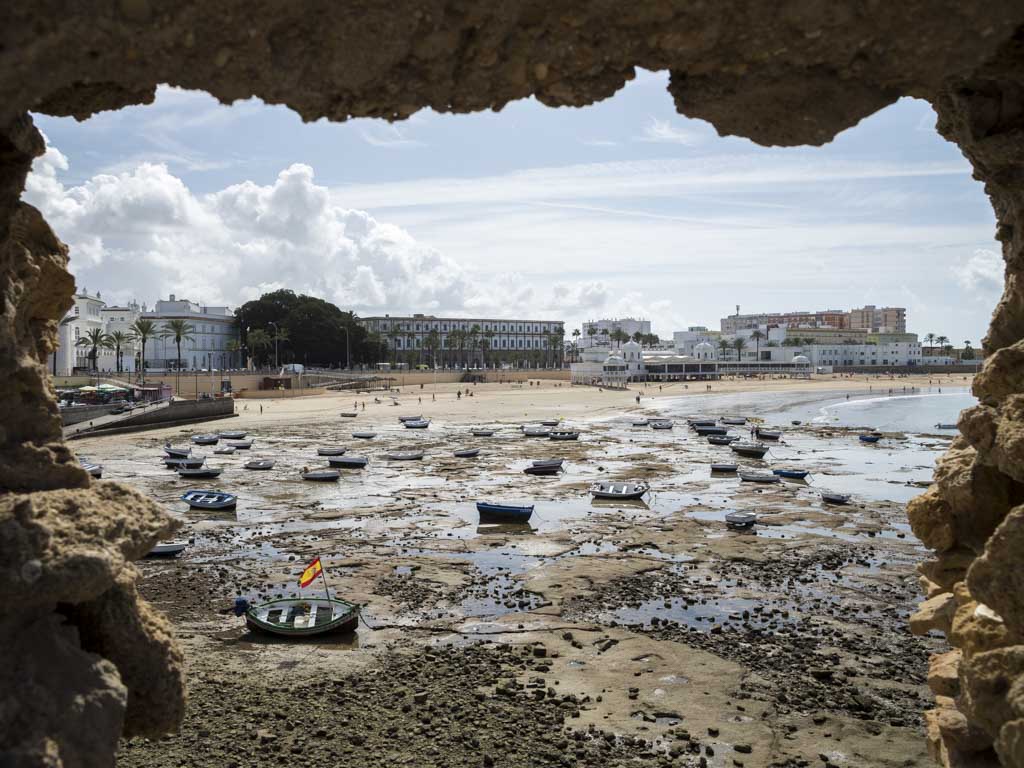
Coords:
pixel 309 575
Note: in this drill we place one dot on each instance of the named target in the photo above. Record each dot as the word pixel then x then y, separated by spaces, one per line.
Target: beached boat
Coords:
pixel 700 421
pixel 199 473
pixel 735 421
pixel 225 450
pixel 946 426
pixel 209 499
pixel 662 424
pixel 404 419
pixel 241 445
pixel 177 453
pixel 331 451
pixel 543 470
pixel 364 435
pixel 234 435
pixel 405 455
pixel 466 453
pixel 205 439
pixel 796 422
pixel 168 549
pixel 348 414
pixel 548 462
pixel 564 434
pixel 722 439
pixel 609 490
pixel 537 431
pixel 769 434
pixel 483 432
pixel 94 470
pixel 791 474
pixel 759 477
pixel 740 519
pixel 303 616
pixel 260 464
pixel 715 430
pixel 322 475
pixel 834 498
pixel 753 450
pixel 420 424
pixel 191 462
pixel 348 462
pixel 641 423
pixel 723 467
pixel 503 513
pixel 869 438
pixel 550 422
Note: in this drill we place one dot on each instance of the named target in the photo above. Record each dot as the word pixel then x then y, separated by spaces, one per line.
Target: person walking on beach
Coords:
pixel 261 410
pixel 638 399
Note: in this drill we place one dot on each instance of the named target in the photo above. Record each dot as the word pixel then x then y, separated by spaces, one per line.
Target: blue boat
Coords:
pixel 792 474
pixel 503 513
pixel 209 499
pixel 870 438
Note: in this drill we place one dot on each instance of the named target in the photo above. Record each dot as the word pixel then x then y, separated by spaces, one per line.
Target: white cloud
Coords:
pixel 981 272
pixel 387 135
pixel 664 132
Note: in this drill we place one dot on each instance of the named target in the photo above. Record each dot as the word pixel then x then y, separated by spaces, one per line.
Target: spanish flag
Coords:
pixel 309 575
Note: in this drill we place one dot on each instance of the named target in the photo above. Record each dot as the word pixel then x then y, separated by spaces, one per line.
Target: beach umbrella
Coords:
pixel 111 388
pixel 88 388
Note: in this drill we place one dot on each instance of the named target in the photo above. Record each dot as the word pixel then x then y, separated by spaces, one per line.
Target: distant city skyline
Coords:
pixel 622 208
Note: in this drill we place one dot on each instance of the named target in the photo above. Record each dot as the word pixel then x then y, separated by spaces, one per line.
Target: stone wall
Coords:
pixel 785 73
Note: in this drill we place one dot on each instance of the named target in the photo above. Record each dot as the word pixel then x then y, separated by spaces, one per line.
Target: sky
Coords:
pixel 620 209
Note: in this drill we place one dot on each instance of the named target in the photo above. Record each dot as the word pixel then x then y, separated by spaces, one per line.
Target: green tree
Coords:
pixel 724 348
pixel 143 330
pixel 179 331
pixel 94 339
pixel 757 335
pixel 474 342
pixel 591 332
pixel 576 343
pixel 968 353
pixel 259 342
pixel 118 340
pixel 930 338
pixel 432 343
pixel 739 344
pixel 489 343
pixel 233 347
pixel 942 341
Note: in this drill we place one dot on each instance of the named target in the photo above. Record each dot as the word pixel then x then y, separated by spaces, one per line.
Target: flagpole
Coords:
pixel 324 577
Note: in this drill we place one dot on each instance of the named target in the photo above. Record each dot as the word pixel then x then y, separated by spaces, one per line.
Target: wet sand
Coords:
pixel 599 634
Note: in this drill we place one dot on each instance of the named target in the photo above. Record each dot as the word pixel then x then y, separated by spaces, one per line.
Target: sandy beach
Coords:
pixel 601 633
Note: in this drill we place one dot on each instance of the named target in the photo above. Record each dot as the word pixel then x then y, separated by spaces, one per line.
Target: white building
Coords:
pixel 598 332
pixel 119 319
pixel 214 330
pixel 84 316
pixel 684 341
pixel 882 354
pixel 480 341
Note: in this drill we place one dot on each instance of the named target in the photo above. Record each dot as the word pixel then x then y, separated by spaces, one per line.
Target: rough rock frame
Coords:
pixel 84 657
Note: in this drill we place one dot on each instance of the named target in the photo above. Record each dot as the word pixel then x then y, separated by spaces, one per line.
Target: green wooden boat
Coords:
pixel 303 617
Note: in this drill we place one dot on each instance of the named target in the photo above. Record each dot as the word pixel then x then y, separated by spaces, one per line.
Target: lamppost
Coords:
pixel 348 362
pixel 277 333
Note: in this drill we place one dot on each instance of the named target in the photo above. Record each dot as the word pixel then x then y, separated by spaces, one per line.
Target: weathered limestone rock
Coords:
pixel 944 673
pixel 949 568
pixel 997 577
pixel 1002 376
pixel 976 627
pixel 1010 744
pixel 986 679
pixel 934 614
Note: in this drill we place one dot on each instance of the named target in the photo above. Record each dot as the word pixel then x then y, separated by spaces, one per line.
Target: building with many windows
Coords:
pixel 85 315
pixel 598 332
pixel 214 337
pixel 879 319
pixel 827 318
pixel 469 342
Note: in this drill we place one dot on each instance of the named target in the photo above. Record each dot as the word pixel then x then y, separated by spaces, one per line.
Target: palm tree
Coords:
pixel 259 341
pixel 942 341
pixel 757 336
pixel 94 339
pixel 393 334
pixel 233 346
pixel 489 338
pixel 739 344
pixel 591 332
pixel 474 339
pixel 724 347
pixel 179 330
pixel 118 341
pixel 606 334
pixel 280 335
pixel 143 330
pixel 638 337
pixel 432 343
pixel 576 341
pixel 930 338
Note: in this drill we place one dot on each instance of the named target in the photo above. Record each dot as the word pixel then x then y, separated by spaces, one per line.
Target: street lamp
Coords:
pixel 348 362
pixel 277 334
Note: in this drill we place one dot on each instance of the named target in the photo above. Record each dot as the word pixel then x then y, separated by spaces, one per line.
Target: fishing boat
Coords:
pixel 753 450
pixel 303 616
pixel 548 462
pixel 192 462
pixel 550 423
pixel 205 439
pixel 167 549
pixel 260 464
pixel 869 438
pixel 740 519
pixel 225 450
pixel 701 421
pixel 209 499
pixel 536 431
pixel 834 498
pixel 348 462
pixel 723 467
pixel 94 470
pixel 503 513
pixel 769 434
pixel 623 491
pixel 322 475
pixel 722 439
pixel 466 453
pixel 177 453
pixel 199 473
pixel 418 424
pixel 348 414
pixel 735 421
pixel 791 474
pixel 641 423
pixel 662 424
pixel 404 419
pixel 364 435
pixel 715 430
pixel 330 451
pixel 564 434
pixel 405 455
pixel 796 422
pixel 234 435
pixel 759 477
pixel 241 445
pixel 544 470
pixel 483 432
pixel 946 426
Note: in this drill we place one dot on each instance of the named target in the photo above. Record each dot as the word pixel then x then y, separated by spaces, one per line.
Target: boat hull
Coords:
pixel 498 513
pixel 347 620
